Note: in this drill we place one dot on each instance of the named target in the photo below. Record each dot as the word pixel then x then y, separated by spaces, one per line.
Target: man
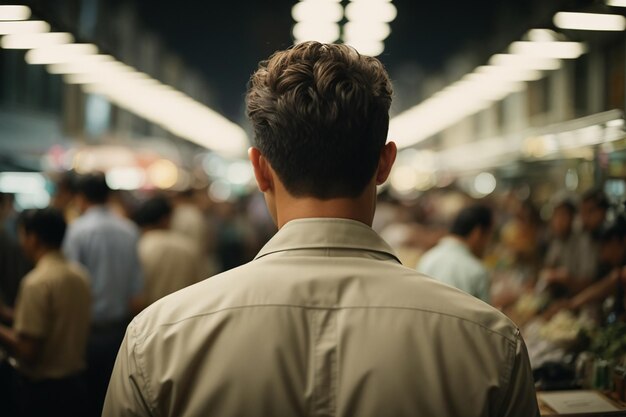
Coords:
pixel 325 321
pixel 593 211
pixel 169 260
pixel 456 260
pixel 51 322
pixel 106 245
pixel 612 257
pixel 565 255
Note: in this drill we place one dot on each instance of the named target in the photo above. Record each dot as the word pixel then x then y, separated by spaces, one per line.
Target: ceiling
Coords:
pixel 225 40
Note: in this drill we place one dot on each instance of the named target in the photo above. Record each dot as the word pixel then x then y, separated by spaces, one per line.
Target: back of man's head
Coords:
pixel 470 218
pixel 93 187
pixel 153 212
pixel 320 114
pixel 47 224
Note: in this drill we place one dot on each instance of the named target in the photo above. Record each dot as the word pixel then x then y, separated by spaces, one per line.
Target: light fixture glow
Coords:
pixel 162 174
pixel 484 183
pixel 59 54
pixel 526 62
pixel 125 178
pixel 14 13
pixel 35 40
pixel 367 47
pixel 21 27
pixel 318 11
pixel 560 50
pixel 589 21
pixel 371 11
pixel 542 35
pixel 616 3
pixel 311 31
pixel 364 31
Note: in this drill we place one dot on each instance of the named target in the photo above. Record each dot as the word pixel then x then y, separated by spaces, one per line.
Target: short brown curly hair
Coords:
pixel 320 114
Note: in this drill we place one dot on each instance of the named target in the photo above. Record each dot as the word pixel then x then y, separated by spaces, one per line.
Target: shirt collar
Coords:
pixel 326 233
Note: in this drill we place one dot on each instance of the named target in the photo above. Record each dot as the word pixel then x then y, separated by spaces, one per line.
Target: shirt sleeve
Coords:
pixel 483 287
pixel 520 399
pixel 127 395
pixel 71 246
pixel 136 285
pixel 32 310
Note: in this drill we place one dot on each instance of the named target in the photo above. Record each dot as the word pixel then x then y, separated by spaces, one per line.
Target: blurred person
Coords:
pixel 612 257
pixel 8 214
pixel 325 320
pixel 169 260
pixel 593 211
pixel 64 194
pixel 565 255
pixel 106 245
pixel 456 259
pixel 51 322
pixel 188 219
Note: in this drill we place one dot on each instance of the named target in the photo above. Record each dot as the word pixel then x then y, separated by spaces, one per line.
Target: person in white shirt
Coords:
pixel 456 259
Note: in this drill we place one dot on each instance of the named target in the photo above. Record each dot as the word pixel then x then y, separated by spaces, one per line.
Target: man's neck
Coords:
pixel 360 209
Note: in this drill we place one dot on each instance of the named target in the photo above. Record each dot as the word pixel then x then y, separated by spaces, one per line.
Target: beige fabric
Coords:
pixel 169 261
pixel 324 322
pixel 54 304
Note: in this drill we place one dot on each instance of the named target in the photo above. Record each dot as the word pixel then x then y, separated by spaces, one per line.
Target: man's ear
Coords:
pixel 262 170
pixel 385 162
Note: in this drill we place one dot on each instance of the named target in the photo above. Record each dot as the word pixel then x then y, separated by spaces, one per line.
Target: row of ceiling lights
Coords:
pixel 365 29
pixel 122 84
pixel 541 50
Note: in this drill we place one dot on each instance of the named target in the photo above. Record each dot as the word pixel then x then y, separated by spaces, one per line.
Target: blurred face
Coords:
pixel 478 240
pixel 561 222
pixel 612 252
pixel 28 242
pixel 591 215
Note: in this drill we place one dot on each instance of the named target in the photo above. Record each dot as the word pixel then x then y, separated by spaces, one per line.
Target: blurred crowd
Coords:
pixel 560 264
pixel 75 273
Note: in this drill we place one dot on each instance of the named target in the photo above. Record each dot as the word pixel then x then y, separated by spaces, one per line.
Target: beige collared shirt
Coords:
pixel 170 262
pixel 54 305
pixel 324 322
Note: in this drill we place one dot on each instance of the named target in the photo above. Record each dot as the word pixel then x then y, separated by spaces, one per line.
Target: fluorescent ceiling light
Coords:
pixel 589 21
pixel 367 47
pixel 542 35
pixel 560 50
pixel 526 62
pixel 28 26
pixel 616 3
pixel 35 40
pixel 14 13
pixel 83 64
pixel 59 54
pixel 371 11
pixel 321 32
pixel 317 11
pixel 371 31
pixel 509 73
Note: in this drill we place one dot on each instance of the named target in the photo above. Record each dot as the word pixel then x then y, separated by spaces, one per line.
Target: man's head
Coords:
pixel 91 190
pixel 473 225
pixel 320 115
pixel 593 209
pixel 563 218
pixel 154 213
pixel 40 230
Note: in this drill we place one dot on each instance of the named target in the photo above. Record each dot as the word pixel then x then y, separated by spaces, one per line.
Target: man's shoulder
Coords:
pixel 250 286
